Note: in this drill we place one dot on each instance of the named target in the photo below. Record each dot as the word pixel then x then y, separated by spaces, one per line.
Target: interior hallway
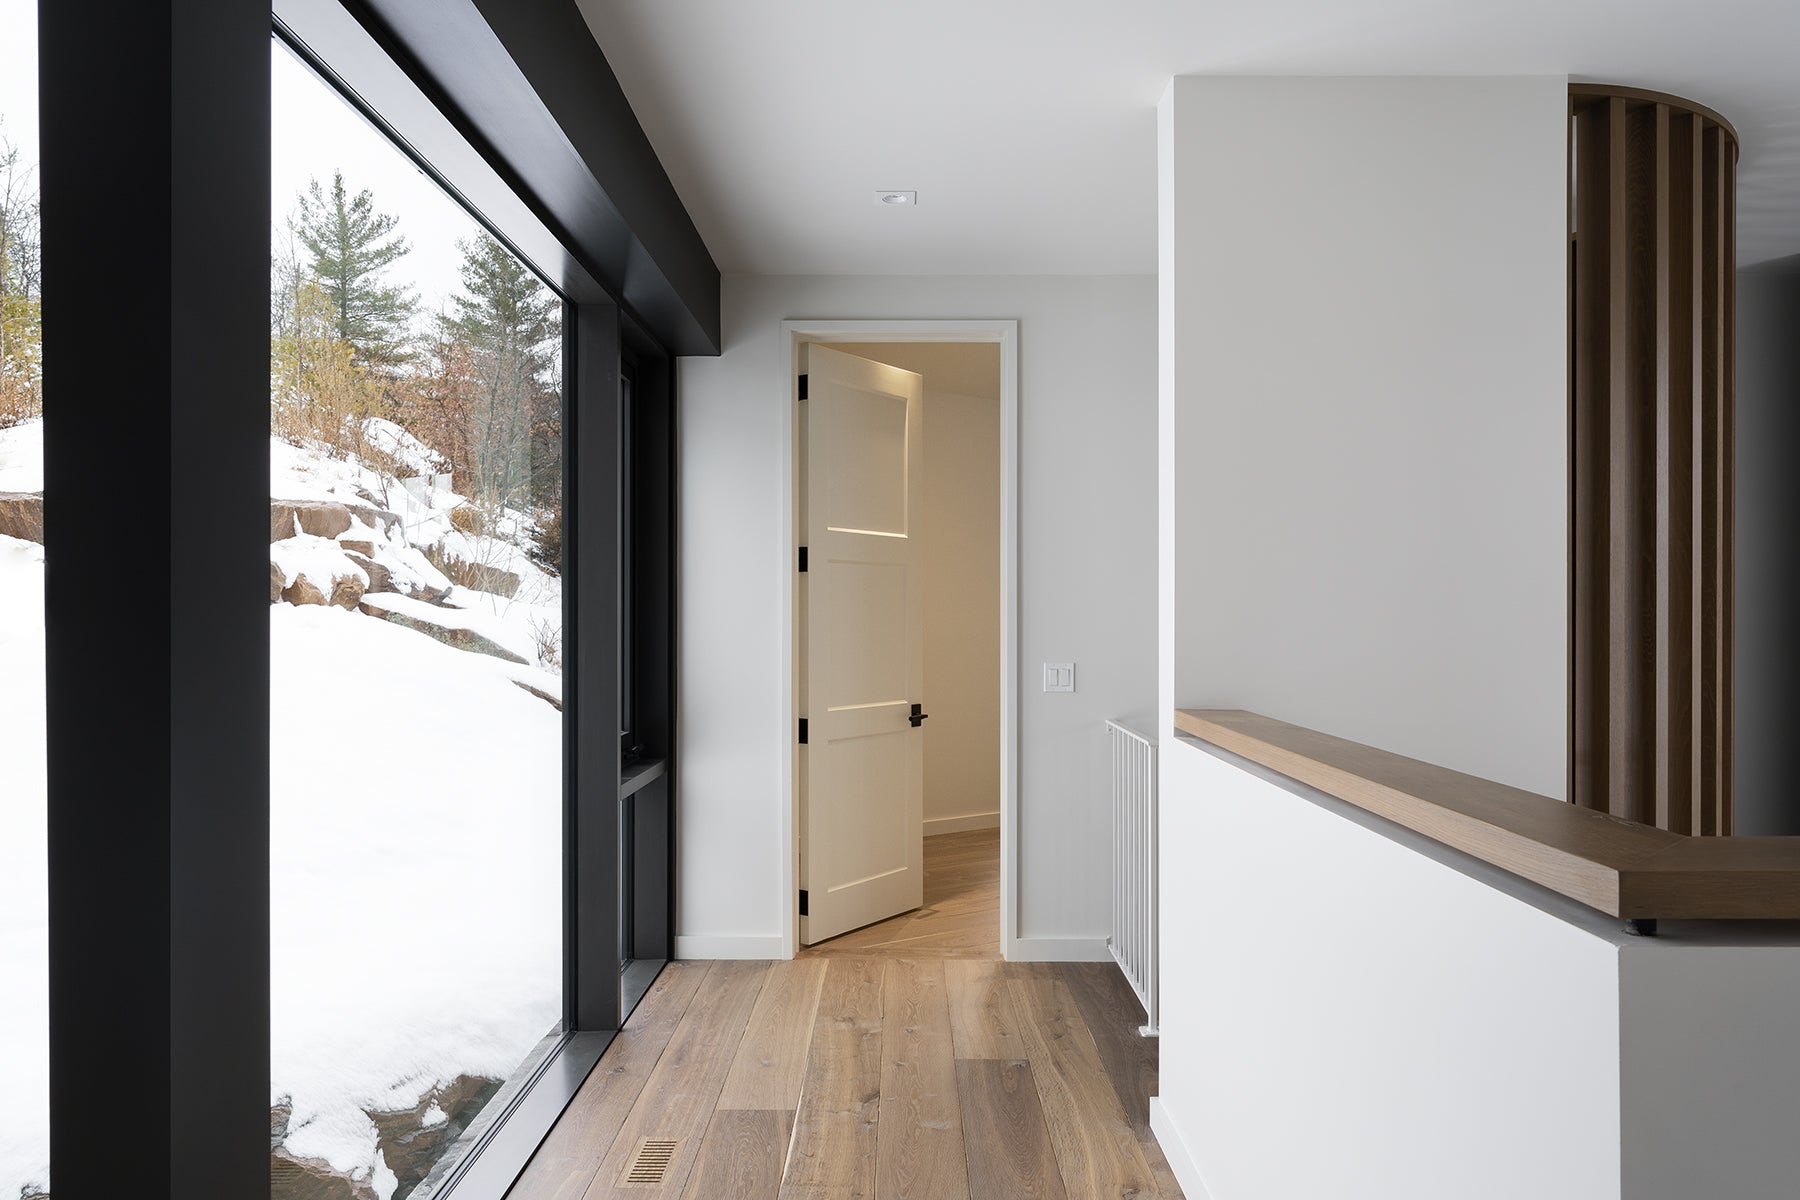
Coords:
pixel 903 1060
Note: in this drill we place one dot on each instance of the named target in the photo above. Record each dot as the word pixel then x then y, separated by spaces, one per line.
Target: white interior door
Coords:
pixel 862 670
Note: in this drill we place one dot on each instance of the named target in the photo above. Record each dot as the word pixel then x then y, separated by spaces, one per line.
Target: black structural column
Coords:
pixel 155 188
pixel 591 826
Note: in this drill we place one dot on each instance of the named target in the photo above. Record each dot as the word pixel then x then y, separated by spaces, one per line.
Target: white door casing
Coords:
pixel 861 771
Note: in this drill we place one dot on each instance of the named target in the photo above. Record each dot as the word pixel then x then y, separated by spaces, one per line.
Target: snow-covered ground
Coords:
pixel 22 457
pixel 416 819
pixel 416 834
pixel 416 831
pixel 24 925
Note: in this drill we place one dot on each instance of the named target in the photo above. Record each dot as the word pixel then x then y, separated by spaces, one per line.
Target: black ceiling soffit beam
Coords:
pixel 526 83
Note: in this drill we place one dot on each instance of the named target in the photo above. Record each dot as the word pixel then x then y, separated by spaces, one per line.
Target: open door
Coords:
pixel 862 669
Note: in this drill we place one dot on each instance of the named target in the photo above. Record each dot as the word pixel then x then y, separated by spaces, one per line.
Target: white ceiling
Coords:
pixel 1028 127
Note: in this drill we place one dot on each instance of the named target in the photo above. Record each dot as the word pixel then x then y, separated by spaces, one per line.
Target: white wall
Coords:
pixel 961 536
pixel 1344 1017
pixel 962 610
pixel 1087 566
pixel 1365 411
pixel 1766 551
pixel 1711 1066
pixel 1350 1011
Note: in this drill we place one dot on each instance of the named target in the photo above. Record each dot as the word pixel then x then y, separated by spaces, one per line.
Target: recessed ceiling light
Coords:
pixel 897 199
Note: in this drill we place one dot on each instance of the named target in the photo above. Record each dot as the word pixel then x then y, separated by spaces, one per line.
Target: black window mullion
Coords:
pixel 591 692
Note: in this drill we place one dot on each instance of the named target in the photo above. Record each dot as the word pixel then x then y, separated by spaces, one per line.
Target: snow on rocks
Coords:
pixel 316 570
pixel 405 451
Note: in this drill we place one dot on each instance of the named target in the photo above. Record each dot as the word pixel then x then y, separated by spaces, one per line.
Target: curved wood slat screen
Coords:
pixel 1651 280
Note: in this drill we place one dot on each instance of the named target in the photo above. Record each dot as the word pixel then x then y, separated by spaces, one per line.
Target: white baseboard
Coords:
pixel 962 824
pixel 707 946
pixel 1026 949
pixel 1175 1150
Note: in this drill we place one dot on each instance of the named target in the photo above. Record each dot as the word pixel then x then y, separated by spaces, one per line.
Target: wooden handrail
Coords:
pixel 1620 867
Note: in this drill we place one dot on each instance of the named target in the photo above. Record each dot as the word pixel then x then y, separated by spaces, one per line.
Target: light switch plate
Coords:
pixel 1059 677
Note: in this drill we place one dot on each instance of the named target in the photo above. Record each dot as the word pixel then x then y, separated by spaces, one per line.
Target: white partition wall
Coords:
pixel 1351 1012
pixel 1365 412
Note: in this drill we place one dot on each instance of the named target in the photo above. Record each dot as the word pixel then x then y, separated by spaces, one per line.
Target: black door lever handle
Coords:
pixel 917 718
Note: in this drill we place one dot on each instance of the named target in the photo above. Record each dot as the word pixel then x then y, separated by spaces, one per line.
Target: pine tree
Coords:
pixel 512 323
pixel 349 246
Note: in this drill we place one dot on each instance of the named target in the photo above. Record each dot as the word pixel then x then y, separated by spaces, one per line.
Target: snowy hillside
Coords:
pixel 415 809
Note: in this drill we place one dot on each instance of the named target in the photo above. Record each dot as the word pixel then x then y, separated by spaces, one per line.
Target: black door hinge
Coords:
pixel 803 558
pixel 803 731
pixel 803 911
pixel 803 386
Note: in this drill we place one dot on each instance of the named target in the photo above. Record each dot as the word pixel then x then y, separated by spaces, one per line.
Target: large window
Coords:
pixel 416 624
pixel 24 926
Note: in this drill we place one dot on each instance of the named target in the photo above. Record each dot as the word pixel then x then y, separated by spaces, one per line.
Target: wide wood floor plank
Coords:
pixel 679 1097
pixel 570 1156
pixel 921 1135
pixel 742 1157
pixel 1114 1016
pixel 1167 1187
pixel 834 1151
pixel 983 1021
pixel 1008 1144
pixel 1095 1146
pixel 771 1059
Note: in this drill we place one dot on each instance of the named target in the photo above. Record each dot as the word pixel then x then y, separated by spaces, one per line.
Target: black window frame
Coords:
pixel 159 862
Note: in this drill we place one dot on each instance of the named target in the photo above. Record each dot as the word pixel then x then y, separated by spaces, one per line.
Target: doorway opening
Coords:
pixel 902 637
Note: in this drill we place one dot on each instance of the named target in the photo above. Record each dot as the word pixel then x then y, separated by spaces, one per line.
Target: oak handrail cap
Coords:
pixel 1623 868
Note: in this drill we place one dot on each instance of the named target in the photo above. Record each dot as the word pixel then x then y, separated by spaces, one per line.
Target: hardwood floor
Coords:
pixel 904 1061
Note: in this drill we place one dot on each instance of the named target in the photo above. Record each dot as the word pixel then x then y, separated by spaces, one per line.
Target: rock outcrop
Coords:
pixel 22 516
pixel 479 576
pixel 413 1140
pixel 462 639
pixel 380 578
pixel 540 693
pixel 346 591
pixel 293 1178
pixel 375 518
pixel 322 518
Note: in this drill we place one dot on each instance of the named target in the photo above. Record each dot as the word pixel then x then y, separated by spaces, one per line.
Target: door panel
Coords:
pixel 868 600
pixel 862 777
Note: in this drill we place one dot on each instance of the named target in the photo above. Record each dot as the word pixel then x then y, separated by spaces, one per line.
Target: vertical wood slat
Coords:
pixel 1728 489
pixel 1712 314
pixel 1631 310
pixel 1697 440
pixel 1651 278
pixel 1676 186
pixel 1589 460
